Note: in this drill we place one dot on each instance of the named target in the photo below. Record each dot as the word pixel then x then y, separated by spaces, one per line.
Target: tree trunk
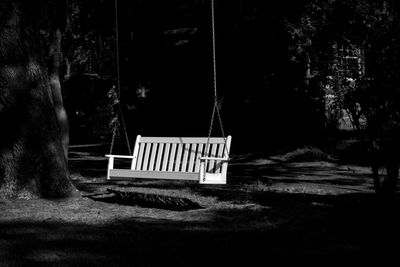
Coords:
pixel 33 160
pixel 385 179
pixel 385 170
pixel 55 86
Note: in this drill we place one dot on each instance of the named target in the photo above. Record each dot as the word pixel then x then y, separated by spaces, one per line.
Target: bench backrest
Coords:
pixel 179 154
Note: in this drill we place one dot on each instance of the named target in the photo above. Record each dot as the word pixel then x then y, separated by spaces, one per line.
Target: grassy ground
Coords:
pixel 301 207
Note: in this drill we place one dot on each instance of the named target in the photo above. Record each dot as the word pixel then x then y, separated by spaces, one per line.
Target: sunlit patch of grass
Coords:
pixel 306 188
pixel 306 154
pixel 11 190
pixel 8 189
pixel 261 184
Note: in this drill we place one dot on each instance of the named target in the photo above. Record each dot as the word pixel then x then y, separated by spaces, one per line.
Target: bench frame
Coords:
pixel 180 158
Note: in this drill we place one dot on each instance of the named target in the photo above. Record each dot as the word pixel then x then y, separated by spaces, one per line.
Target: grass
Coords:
pixel 295 209
pixel 274 228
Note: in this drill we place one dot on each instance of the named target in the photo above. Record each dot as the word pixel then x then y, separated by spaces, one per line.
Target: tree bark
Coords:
pixel 33 137
pixel 384 163
pixel 55 86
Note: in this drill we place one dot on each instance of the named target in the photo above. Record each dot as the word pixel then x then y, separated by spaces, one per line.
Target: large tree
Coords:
pixel 34 131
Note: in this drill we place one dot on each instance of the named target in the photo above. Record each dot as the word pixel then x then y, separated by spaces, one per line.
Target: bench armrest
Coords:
pixel 119 156
pixel 214 158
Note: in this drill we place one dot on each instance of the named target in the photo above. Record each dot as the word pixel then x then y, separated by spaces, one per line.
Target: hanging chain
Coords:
pixel 214 50
pixel 216 107
pixel 117 48
pixel 211 122
pixel 119 84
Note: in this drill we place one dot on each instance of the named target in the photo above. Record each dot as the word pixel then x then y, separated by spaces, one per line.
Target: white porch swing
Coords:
pixel 202 159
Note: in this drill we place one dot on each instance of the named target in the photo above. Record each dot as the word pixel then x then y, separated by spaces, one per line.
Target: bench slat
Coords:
pixel 166 157
pixel 178 161
pixel 226 155
pixel 126 174
pixel 172 158
pixel 220 154
pixel 192 157
pixel 146 157
pixel 186 151
pixel 159 156
pixel 140 156
pixel 211 164
pixel 153 155
pixel 198 155
pixel 135 153
pixel 207 153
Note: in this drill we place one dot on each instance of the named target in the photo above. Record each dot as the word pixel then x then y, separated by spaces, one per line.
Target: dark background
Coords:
pixel 267 96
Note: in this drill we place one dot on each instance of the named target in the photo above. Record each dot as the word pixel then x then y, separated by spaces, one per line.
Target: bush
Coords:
pixel 306 154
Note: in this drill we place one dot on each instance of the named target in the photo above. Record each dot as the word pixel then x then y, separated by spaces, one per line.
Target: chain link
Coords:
pixel 220 119
pixel 113 136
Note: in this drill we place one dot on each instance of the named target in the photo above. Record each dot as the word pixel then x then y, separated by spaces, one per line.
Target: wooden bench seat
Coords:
pixel 180 158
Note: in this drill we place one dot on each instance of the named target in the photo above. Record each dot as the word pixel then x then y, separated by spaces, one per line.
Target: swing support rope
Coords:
pixel 119 89
pixel 216 106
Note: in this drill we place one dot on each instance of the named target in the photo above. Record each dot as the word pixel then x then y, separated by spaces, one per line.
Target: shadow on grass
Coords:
pixel 146 200
pixel 298 229
pixel 322 174
pixel 32 244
